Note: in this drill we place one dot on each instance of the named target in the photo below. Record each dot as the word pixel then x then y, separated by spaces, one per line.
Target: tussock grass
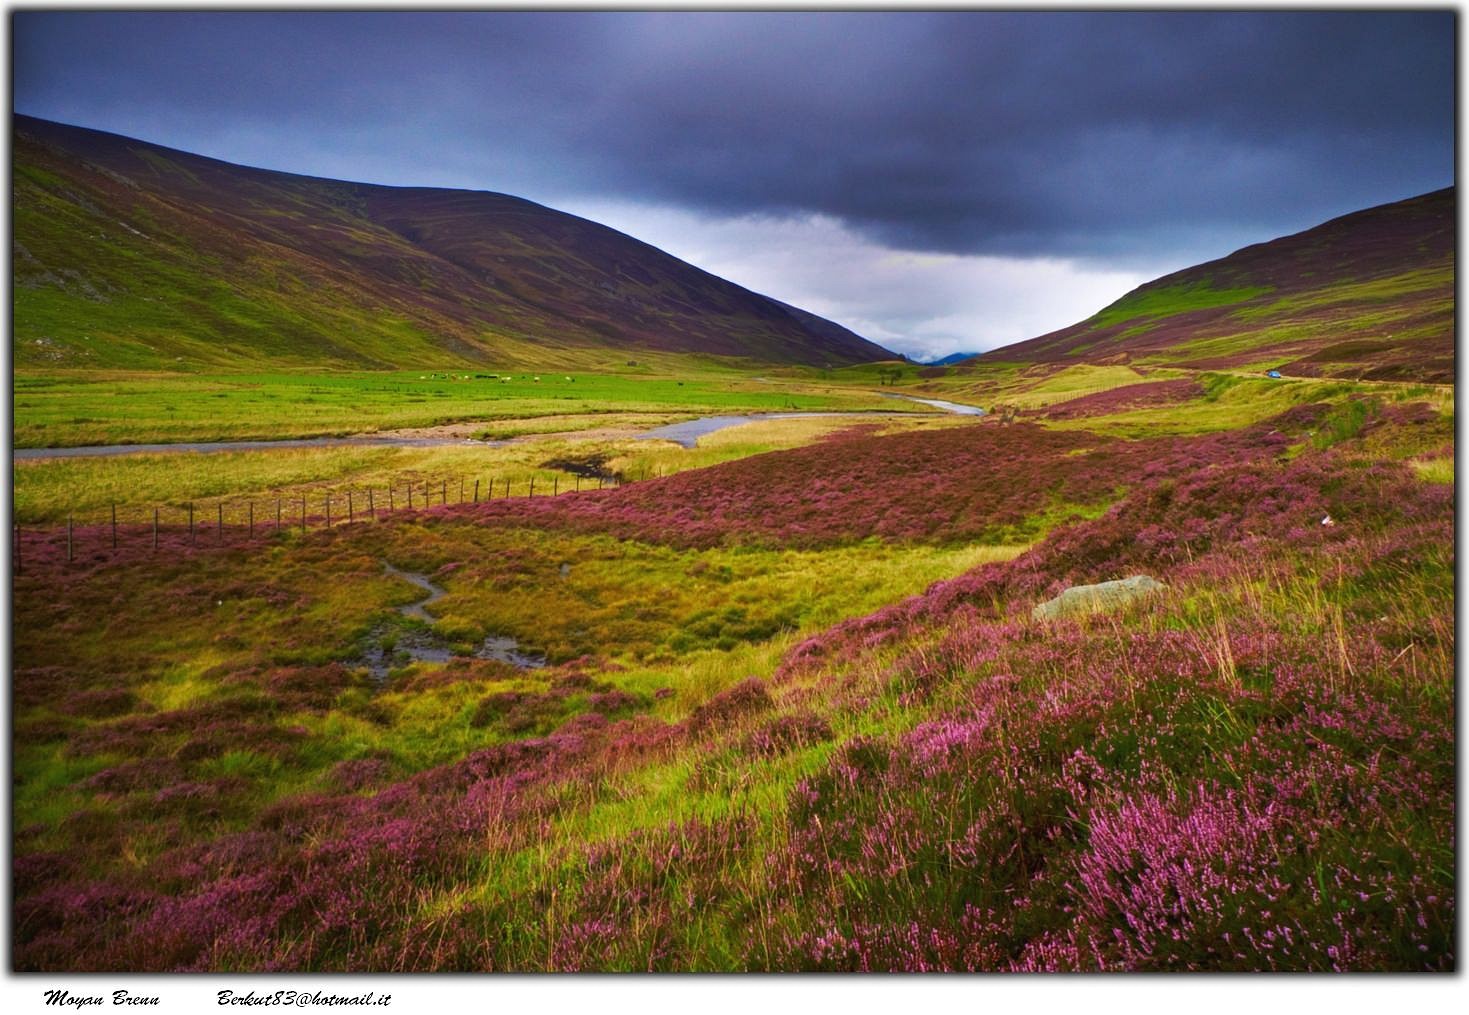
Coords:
pixel 1436 470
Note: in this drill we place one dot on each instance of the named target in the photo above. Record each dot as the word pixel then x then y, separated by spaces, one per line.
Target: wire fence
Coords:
pixel 233 520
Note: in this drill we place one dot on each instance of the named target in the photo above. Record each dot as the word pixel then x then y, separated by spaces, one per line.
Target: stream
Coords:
pixel 689 432
pixel 392 647
pixel 954 407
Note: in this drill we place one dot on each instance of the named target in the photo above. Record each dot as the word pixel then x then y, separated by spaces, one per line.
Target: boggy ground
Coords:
pixel 753 752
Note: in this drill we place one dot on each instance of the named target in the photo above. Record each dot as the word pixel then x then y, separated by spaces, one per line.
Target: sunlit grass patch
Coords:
pixel 109 407
pixel 1070 382
pixel 1230 401
pixel 258 487
pixel 46 781
pixel 572 595
pixel 1165 301
pixel 1367 293
pixel 182 684
pixel 1435 470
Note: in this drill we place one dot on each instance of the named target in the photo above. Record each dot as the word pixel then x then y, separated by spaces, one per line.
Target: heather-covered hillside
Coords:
pixel 1369 295
pixel 128 254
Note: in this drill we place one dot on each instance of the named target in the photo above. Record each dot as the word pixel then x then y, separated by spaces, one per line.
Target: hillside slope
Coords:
pixel 1367 295
pixel 127 254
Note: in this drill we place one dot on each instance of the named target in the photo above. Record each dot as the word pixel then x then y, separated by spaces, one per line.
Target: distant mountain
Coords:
pixel 127 254
pixel 1369 294
pixel 951 359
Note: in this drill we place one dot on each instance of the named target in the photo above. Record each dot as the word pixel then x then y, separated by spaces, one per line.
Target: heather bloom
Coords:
pixel 1253 771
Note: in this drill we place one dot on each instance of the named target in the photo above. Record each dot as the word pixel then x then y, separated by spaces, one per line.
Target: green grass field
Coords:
pixel 82 408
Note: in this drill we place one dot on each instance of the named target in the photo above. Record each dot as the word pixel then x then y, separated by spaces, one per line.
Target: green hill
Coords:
pixel 1367 295
pixel 130 255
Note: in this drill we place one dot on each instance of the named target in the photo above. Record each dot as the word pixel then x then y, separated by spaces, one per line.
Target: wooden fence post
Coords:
pixel 351 511
pixel 476 491
pixel 410 495
pixel 555 484
pixel 155 529
pixel 277 514
pixel 328 510
pixel 507 488
pixel 252 518
pixel 303 514
pixel 532 492
pixel 191 523
pixel 114 525
pixel 68 537
pixel 444 491
pixel 219 525
pixel 461 489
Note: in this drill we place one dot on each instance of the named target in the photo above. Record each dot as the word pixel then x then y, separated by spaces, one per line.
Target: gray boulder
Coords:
pixel 1083 599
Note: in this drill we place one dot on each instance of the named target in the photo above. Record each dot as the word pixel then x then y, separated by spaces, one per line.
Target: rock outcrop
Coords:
pixel 1083 599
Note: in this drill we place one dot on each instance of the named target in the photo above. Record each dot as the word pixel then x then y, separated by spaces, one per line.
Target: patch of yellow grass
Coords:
pixel 1072 382
pixel 1435 470
pixel 47 490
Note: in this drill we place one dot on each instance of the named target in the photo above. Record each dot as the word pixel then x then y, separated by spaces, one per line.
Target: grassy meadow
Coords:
pixel 78 408
pixel 796 712
pixel 92 489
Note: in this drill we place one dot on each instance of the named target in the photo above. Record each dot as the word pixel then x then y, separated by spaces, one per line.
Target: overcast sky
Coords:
pixel 935 181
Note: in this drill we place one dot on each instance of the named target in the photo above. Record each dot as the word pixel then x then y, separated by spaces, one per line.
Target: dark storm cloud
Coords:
pixel 1075 134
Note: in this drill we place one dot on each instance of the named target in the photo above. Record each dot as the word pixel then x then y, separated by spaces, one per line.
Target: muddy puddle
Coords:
pixel 392 646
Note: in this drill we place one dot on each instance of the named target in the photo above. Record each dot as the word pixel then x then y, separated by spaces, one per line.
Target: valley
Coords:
pixel 506 676
pixel 762 661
